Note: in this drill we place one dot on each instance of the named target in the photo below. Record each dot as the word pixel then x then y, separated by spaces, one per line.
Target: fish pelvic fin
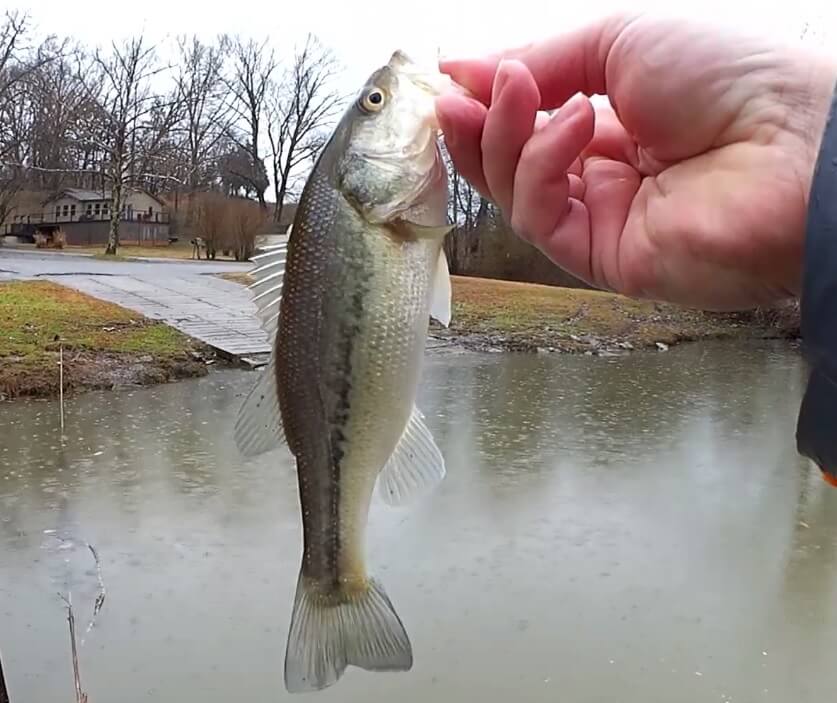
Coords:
pixel 328 633
pixel 258 427
pixel 416 466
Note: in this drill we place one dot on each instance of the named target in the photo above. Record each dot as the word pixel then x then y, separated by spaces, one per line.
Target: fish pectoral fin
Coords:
pixel 266 289
pixel 415 467
pixel 441 292
pixel 258 427
pixel 412 230
pixel 327 634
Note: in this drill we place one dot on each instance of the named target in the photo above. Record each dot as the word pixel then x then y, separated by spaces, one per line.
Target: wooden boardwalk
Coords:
pixel 217 312
pixel 185 295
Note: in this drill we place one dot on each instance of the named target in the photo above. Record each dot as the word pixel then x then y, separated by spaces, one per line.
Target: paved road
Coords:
pixel 183 294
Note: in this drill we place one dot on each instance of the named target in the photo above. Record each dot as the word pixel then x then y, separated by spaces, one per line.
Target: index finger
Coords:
pixel 562 66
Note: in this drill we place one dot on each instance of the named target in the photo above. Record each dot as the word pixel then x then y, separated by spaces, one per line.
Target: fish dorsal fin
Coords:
pixel 266 288
pixel 258 427
pixel 415 467
pixel 441 291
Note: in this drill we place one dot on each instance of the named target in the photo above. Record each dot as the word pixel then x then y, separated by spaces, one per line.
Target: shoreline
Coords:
pixel 493 314
pixel 114 347
pixel 591 345
pixel 98 370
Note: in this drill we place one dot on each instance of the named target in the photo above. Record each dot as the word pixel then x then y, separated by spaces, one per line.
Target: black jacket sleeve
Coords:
pixel 816 431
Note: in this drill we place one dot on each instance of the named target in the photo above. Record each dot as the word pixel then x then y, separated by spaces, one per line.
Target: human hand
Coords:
pixel 692 188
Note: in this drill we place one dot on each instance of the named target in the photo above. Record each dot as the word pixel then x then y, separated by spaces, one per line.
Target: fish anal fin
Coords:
pixel 258 427
pixel 416 466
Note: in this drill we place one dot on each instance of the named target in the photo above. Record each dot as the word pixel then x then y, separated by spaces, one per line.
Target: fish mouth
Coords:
pixel 429 79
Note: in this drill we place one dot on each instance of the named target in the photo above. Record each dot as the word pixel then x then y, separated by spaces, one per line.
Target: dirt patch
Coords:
pixel 103 345
pixel 88 370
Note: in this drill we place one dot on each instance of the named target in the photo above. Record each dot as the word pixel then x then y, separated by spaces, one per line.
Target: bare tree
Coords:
pixel 62 118
pixel 300 107
pixel 253 66
pixel 13 46
pixel 239 175
pixel 135 121
pixel 206 111
pixel 19 61
pixel 466 209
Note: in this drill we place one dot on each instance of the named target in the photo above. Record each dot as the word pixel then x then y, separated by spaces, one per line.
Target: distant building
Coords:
pixel 84 218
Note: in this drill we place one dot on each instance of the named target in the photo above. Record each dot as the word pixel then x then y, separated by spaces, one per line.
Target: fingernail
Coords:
pixel 572 107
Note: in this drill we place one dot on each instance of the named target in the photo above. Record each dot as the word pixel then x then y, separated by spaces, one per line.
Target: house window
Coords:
pixel 66 210
pixel 88 208
pixel 72 210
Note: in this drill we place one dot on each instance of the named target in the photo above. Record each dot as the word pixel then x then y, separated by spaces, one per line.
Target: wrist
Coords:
pixel 815 434
pixel 811 110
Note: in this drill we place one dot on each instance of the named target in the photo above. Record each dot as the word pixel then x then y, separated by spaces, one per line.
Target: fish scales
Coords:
pixel 339 289
pixel 363 270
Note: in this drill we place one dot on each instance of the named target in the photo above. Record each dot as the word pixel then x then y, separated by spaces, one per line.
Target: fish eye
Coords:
pixel 373 100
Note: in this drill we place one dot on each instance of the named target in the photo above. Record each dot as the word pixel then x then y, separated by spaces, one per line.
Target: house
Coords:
pixel 83 216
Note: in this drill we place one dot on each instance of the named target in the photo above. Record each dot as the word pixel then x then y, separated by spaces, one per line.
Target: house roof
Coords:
pixel 83 195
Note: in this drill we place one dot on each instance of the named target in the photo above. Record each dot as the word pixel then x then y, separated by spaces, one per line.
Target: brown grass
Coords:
pixel 531 316
pixel 102 342
pixel 180 250
pixel 544 316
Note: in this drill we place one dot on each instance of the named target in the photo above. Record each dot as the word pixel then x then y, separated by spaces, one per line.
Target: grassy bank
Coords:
pixel 104 345
pixel 530 317
pixel 493 314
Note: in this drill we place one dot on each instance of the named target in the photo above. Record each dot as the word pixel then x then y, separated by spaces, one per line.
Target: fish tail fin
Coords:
pixel 328 634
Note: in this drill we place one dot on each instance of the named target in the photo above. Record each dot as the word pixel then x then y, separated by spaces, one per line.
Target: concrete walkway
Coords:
pixel 182 293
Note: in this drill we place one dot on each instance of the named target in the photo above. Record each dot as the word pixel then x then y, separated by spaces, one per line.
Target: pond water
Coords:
pixel 632 529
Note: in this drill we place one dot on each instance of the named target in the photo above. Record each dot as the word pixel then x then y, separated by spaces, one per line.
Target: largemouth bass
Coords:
pixel 348 302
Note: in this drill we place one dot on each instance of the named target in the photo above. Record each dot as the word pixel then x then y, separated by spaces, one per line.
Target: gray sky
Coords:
pixel 420 27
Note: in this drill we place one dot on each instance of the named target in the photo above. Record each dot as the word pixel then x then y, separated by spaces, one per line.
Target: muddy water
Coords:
pixel 634 529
